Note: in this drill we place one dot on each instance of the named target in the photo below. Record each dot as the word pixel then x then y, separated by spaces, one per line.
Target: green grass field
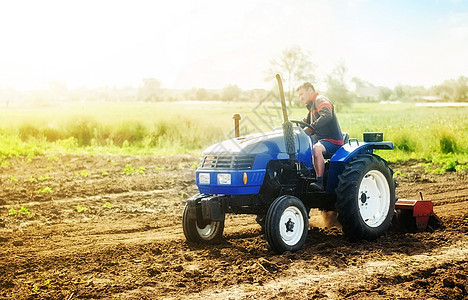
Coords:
pixel 437 135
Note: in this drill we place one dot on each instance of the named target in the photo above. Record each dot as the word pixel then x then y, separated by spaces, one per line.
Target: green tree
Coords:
pixel 446 90
pixel 201 94
pixel 337 90
pixel 295 66
pixel 230 92
pixel 400 91
pixel 150 90
pixel 385 92
pixel 407 92
pixel 461 88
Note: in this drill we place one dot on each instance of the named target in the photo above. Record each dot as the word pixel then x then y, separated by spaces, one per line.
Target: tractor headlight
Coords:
pixel 224 178
pixel 204 178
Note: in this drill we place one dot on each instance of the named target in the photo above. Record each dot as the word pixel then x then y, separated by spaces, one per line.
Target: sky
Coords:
pixel 214 43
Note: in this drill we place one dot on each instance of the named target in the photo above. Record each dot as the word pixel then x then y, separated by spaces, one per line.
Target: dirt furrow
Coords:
pixel 365 281
pixel 103 233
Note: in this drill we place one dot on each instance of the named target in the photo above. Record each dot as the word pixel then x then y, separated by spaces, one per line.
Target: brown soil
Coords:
pixel 116 235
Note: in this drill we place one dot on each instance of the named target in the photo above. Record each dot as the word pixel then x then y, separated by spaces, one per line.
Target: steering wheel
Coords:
pixel 301 123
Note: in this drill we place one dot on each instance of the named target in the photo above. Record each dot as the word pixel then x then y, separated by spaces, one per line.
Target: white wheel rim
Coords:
pixel 374 198
pixel 207 231
pixel 291 226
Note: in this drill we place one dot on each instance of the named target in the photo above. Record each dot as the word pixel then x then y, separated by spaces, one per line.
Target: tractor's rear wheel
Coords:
pixel 201 232
pixel 286 224
pixel 365 198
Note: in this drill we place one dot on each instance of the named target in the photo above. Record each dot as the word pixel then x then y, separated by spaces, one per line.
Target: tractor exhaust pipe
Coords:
pixel 236 118
pixel 287 125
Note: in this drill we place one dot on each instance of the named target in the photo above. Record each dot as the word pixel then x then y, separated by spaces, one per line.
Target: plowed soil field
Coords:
pixel 110 227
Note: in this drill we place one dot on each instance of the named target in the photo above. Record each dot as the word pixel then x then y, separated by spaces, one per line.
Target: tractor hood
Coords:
pixel 265 142
pixel 270 144
pixel 243 161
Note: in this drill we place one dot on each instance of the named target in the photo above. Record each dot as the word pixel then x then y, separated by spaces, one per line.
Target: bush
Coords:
pixel 52 134
pixel 448 145
pixel 11 146
pixel 27 131
pixel 82 130
pixel 405 144
pixel 132 132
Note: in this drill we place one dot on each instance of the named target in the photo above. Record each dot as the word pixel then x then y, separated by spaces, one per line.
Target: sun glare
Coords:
pixel 210 44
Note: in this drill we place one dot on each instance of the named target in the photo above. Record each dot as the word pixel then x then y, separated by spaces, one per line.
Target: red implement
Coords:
pixel 422 210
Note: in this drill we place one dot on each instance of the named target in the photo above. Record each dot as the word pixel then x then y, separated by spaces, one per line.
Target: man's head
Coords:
pixel 306 92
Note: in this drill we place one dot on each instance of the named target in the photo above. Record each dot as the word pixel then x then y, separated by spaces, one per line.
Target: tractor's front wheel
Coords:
pixel 365 198
pixel 286 224
pixel 201 232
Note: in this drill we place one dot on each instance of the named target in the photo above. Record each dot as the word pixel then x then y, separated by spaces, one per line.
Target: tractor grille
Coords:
pixel 237 162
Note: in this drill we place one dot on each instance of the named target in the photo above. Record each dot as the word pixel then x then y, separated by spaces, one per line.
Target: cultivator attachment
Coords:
pixel 415 212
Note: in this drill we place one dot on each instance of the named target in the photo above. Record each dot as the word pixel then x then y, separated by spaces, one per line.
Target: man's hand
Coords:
pixel 309 130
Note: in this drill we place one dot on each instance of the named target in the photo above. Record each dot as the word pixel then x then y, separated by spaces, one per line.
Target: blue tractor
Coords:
pixel 269 175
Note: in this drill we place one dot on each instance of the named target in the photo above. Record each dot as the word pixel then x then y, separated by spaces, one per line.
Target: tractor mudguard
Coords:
pixel 345 153
pixel 354 148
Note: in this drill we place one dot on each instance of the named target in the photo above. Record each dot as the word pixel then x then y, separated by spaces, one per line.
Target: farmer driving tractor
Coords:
pixel 325 130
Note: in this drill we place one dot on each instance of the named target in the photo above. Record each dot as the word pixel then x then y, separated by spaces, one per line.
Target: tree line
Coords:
pixel 293 63
pixel 296 67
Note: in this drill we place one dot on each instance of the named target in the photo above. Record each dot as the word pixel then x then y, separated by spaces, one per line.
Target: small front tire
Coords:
pixel 197 232
pixel 286 224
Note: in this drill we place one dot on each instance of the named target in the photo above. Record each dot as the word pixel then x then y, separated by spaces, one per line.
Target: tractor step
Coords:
pixel 422 211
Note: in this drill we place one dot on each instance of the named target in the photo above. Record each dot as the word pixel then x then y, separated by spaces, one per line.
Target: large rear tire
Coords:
pixel 365 198
pixel 286 224
pixel 197 232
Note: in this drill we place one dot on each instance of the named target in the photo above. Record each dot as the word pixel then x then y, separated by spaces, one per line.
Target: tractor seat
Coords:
pixel 346 140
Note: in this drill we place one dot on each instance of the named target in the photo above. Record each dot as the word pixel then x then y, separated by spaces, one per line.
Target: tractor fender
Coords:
pixel 347 152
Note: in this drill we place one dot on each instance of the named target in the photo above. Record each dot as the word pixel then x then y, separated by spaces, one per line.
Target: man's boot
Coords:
pixel 317 185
